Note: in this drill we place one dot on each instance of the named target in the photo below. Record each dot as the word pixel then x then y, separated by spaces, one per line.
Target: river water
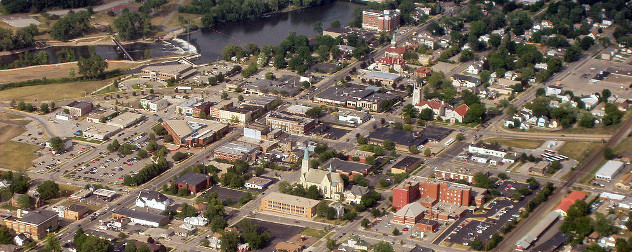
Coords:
pixel 270 30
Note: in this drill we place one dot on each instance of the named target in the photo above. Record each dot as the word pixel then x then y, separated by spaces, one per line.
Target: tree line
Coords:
pixel 73 25
pixel 22 38
pixel 23 6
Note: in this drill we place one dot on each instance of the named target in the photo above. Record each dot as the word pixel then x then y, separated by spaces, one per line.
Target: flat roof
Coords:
pixel 400 137
pixel 79 104
pixel 104 192
pixel 191 178
pixel 291 199
pixel 98 129
pixel 124 119
pixel 259 181
pixel 345 166
pixel 236 149
pixel 194 127
pixel 289 117
pixel 38 217
pixel 383 75
pixel 406 162
pixel 609 169
pixel 133 214
pixel 168 69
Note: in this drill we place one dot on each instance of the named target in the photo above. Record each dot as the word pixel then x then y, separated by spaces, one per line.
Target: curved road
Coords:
pixel 47 128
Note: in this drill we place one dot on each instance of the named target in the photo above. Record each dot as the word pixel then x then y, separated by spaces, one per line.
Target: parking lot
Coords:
pixel 50 162
pixel 278 232
pixel 225 193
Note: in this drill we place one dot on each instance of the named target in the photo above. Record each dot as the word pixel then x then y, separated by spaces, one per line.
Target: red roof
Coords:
pixel 431 103
pixel 569 200
pixel 423 70
pixel 398 50
pixel 391 61
pixel 462 110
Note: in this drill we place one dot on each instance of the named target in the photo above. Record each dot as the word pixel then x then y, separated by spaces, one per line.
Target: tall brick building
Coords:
pixel 431 192
pixel 386 20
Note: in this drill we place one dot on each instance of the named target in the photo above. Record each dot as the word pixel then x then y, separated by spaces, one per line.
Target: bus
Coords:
pixel 450 141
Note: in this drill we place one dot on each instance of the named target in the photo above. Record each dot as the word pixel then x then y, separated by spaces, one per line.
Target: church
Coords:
pixel 329 183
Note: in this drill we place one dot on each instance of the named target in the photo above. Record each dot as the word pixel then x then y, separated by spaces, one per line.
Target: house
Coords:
pixel 457 114
pixel 196 221
pixel 547 24
pixel 425 60
pixel 593 237
pixel 543 121
pixel 354 195
pixel 510 75
pixel 258 183
pixel 385 64
pixel 475 68
pixel 461 81
pixel 554 123
pixel 153 199
pixel 355 242
pixel 215 241
pixel 193 182
pixel 20 239
pixel 339 208
pixel 554 90
pixel 423 72
pixel 438 107
pixel 541 66
pixel 590 101
pixel 608 242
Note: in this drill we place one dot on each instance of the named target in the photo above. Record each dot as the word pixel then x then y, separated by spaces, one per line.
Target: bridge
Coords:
pixel 129 56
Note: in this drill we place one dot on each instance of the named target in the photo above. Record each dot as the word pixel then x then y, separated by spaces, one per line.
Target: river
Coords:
pixel 270 30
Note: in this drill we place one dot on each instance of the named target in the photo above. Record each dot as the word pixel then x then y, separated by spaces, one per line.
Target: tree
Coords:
pixel 460 137
pixel 572 54
pixel 48 190
pixel 335 24
pixel 93 66
pixel 364 223
pixel 5 235
pixel 413 149
pixel 383 183
pixel 318 28
pixel 24 201
pixel 52 243
pixel 44 108
pixel 131 247
pixel 74 24
pixel 477 244
pixel 331 244
pixel 396 231
pixel 426 114
pixel 224 95
pixel 502 176
pixel 383 247
pixel 132 25
pixel 57 144
pixel 608 153
pixel 605 94
pixel 142 153
pixel 427 152
pixel 475 114
pixel 113 146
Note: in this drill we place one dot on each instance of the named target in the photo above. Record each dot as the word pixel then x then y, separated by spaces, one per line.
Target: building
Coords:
pixel 329 183
pixel 386 20
pixel 165 72
pixel 347 168
pixel 401 138
pixel 355 96
pixel 457 173
pixel 101 131
pixel 153 199
pixel 194 107
pixel 380 77
pixel 195 131
pixel 196 221
pixel 266 102
pixel 286 204
pixel 193 182
pixel 286 85
pixel 423 72
pixel 354 195
pixel 409 214
pixel 102 115
pixel 140 217
pixel 356 243
pixel 234 151
pixel 335 32
pixel 153 103
pixel 353 117
pixel 359 155
pixel 125 120
pixel 78 108
pixel 292 124
pixel 75 212
pixel 540 168
pixel 67 145
pixel 437 107
pixel 227 113
pixel 430 226
pixel 462 82
pixel 609 170
pixel 487 149
pixel 536 231
pixel 625 183
pixel 297 109
pixel 568 201
pixel 406 165
pixel 258 183
pixel 37 223
pixel 256 131
pixel 432 192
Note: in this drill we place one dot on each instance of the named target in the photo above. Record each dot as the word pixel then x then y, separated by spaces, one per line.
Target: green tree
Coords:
pixel 132 25
pixel 608 153
pixel 5 235
pixel 413 149
pixel 502 176
pixel 383 247
pixel 48 190
pixel 427 152
pixel 142 153
pixel 44 108
pixel 93 66
pixel 52 243
pixel 365 223
pixel 318 28
pixel 24 201
pixel 57 144
pixel 396 231
pixel 331 244
pixel 335 24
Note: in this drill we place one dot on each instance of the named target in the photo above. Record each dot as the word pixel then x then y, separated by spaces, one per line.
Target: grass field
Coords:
pixel 516 143
pixel 625 145
pixel 53 92
pixel 316 233
pixel 56 71
pixel 578 150
pixel 16 156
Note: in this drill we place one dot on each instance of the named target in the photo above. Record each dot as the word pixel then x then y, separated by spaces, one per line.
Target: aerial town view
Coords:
pixel 315 125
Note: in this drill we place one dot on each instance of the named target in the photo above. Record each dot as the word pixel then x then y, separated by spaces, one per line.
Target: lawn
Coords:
pixel 516 143
pixel 578 150
pixel 625 145
pixel 316 233
pixel 53 92
pixel 65 190
pixel 89 140
pixel 16 156
pixel 56 71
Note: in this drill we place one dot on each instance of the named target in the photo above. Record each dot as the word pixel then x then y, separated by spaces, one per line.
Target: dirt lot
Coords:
pixel 55 71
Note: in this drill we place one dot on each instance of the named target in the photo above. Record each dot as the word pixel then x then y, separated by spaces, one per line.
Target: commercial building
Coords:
pixel 195 131
pixel 457 173
pixel 286 85
pixel 266 102
pixel 227 113
pixel 536 231
pixel 540 168
pixel 140 217
pixel 432 192
pixel 386 20
pixel 78 108
pixel 353 117
pixel 194 106
pixel 568 201
pixel 286 204
pixel 258 183
pixel 487 149
pixel 355 96
pixel 97 116
pixel 406 165
pixel 430 226
pixel 75 212
pixel 359 155
pixel 292 124
pixel 401 138
pixel 153 103
pixel 256 131
pixel 609 170
pixel 153 199
pixel 100 131
pixel 347 168
pixel 409 214
pixel 234 151
pixel 165 72
pixel 37 223
pixel 125 120
pixel 193 182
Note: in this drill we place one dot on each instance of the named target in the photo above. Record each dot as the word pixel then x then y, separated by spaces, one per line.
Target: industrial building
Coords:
pixel 78 108
pixel 235 151
pixel 609 170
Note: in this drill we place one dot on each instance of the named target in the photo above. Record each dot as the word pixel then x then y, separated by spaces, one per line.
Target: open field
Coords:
pixel 55 71
pixel 53 92
pixel 578 150
pixel 316 233
pixel 516 143
pixel 16 156
pixel 625 145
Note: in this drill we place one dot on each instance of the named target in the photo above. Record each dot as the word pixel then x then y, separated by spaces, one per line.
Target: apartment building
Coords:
pixel 386 20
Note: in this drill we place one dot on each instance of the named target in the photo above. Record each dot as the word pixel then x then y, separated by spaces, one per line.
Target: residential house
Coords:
pixel 475 68
pixel 153 199
pixel 543 121
pixel 356 243
pixel 462 82
pixel 354 195
pixel 554 90
pixel 457 114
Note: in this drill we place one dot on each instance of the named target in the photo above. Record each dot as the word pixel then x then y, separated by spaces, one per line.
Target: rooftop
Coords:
pixel 80 105
pixel 236 149
pixel 400 137
pixel 435 133
pixel 291 199
pixel 38 217
pixel 259 181
pixel 289 117
pixel 133 214
pixel 406 162
pixel 346 166
pixel 151 98
pixel 194 127
pixel 77 208
pixel 168 69
pixel 152 195
pixel 191 178
pixel 609 168
pixel 383 75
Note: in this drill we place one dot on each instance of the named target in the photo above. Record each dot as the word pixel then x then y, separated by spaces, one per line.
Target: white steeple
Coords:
pixel 305 163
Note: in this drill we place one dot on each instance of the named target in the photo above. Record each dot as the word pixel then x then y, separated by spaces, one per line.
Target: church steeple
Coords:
pixel 305 163
pixel 330 168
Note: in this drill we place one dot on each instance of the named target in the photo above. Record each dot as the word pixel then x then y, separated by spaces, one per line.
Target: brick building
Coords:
pixel 386 20
pixel 292 124
pixel 431 192
pixel 36 223
pixel 286 204
pixel 195 131
pixel 75 212
pixel 193 182
pixel 79 108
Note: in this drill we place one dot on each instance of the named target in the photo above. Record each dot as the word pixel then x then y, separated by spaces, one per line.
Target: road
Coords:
pixel 44 123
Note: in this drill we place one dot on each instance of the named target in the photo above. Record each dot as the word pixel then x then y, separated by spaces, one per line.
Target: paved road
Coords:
pixel 95 8
pixel 44 123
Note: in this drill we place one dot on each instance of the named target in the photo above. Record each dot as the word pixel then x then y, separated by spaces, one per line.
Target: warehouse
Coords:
pixel 609 170
pixel 536 231
pixel 142 218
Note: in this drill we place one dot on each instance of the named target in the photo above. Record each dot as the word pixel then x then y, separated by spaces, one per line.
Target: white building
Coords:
pixel 196 221
pixel 258 183
pixel 487 149
pixel 153 199
pixel 609 170
pixel 153 103
pixel 353 117
pixel 554 90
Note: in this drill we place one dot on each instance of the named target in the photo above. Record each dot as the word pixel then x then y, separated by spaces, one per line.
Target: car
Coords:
pixel 405 229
